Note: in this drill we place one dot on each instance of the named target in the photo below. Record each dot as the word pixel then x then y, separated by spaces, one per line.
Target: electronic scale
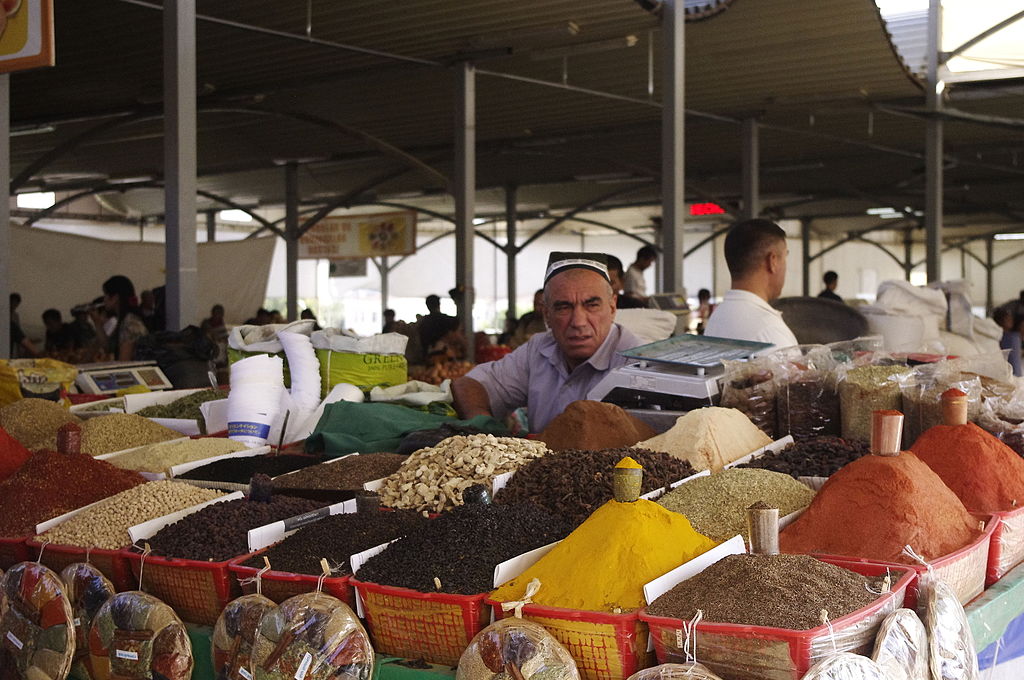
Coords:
pixel 680 373
pixel 110 376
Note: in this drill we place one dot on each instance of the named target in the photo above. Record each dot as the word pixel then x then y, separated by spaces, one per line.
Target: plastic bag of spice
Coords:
pixel 866 388
pixel 1003 417
pixel 807 403
pixel 235 634
pixel 921 390
pixel 315 632
pixel 135 636
pixel 750 387
pixel 87 590
pixel 516 648
pixel 846 666
pixel 675 671
pixel 952 654
pixel 37 637
pixel 901 647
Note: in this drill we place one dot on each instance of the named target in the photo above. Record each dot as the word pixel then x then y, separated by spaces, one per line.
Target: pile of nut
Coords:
pixel 433 479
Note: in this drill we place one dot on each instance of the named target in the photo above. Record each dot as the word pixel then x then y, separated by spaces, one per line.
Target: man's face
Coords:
pixel 779 253
pixel 579 308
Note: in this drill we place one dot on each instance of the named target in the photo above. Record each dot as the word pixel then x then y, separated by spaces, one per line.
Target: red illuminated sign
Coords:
pixel 698 209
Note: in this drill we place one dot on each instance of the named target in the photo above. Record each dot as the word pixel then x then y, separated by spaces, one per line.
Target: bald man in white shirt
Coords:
pixel 755 251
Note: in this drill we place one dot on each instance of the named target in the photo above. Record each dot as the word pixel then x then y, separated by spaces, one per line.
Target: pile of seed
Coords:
pixel 434 478
pixel 106 524
pixel 866 389
pixel 219 532
pixel 120 431
pixel 34 422
pixel 780 591
pixel 460 548
pixel 50 484
pixel 348 473
pixel 716 505
pixel 337 538
pixel 161 457
pixel 814 457
pixel 572 484
pixel 186 407
pixel 241 470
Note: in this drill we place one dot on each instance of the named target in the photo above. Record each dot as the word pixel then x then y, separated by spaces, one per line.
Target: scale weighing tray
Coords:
pixel 699 352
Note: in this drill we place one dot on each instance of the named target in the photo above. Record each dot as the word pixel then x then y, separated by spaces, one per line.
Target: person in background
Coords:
pixel 390 325
pixel 634 286
pixel 704 309
pixel 275 317
pixel 262 318
pixel 617 276
pixel 530 323
pixel 755 252
pixel 309 315
pixel 213 325
pixel 1011 339
pixel 147 309
pixel 120 303
pixel 563 364
pixel 21 345
pixel 60 340
pixel 435 325
pixel 831 280
pixel 83 333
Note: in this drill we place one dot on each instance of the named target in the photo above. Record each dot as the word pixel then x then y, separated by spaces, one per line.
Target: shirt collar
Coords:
pixel 600 361
pixel 746 296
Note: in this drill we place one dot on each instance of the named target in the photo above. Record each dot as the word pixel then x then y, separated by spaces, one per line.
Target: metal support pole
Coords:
pixel 510 254
pixel 805 255
pixel 989 269
pixel 5 217
pixel 385 284
pixel 181 258
pixel 751 169
pixel 908 253
pixel 291 237
pixel 465 192
pixel 211 226
pixel 673 207
pixel 933 147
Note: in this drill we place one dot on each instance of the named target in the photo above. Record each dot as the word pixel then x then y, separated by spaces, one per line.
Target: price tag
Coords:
pixel 244 673
pixel 14 640
pixel 126 655
pixel 307 661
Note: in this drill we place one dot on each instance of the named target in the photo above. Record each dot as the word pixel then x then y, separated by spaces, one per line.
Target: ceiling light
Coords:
pixel 131 180
pixel 1019 236
pixel 880 211
pixel 37 200
pixel 234 215
pixel 32 130
pixel 584 48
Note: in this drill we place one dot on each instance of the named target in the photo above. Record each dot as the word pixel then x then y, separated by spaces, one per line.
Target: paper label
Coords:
pixel 245 429
pixel 307 661
pixel 305 518
pixel 244 673
pixel 78 622
pixel 14 640
pixel 679 638
pixel 126 655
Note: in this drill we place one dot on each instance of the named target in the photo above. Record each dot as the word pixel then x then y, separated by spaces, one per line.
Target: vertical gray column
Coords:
pixel 673 208
pixel 211 226
pixel 465 191
pixel 933 147
pixel 291 237
pixel 805 256
pixel 751 169
pixel 180 162
pixel 510 253
pixel 989 268
pixel 384 267
pixel 908 252
pixel 5 216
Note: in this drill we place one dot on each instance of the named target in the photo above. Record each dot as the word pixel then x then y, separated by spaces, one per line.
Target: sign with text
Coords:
pixel 26 34
pixel 361 236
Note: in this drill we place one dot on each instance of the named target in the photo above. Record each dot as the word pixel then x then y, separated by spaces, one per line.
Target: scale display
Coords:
pixel 698 351
pixel 111 377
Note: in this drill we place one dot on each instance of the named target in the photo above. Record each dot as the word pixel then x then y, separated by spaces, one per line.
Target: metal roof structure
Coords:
pixel 361 93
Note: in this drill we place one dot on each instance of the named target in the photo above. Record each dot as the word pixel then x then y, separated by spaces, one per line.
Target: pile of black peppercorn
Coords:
pixel 814 457
pixel 240 470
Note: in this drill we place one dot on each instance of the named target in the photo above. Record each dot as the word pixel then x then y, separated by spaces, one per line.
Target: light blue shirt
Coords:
pixel 535 375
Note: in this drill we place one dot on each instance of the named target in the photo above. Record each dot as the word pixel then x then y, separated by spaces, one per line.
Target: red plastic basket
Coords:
pixel 12 551
pixel 964 569
pixel 436 627
pixel 198 591
pixel 112 563
pixel 1007 548
pixel 605 646
pixel 743 652
pixel 280 585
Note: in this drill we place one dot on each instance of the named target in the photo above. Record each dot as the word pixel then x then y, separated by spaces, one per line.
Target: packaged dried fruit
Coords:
pixel 135 636
pixel 516 648
pixel 37 637
pixel 235 634
pixel 87 590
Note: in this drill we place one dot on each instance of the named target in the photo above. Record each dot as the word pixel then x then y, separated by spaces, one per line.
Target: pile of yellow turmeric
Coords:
pixel 604 564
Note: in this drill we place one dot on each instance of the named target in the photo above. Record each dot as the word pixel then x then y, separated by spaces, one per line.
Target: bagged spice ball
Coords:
pixel 952 654
pixel 34 422
pixel 316 632
pixel 516 648
pixel 846 666
pixel 1004 418
pixel 135 636
pixel 749 386
pixel 235 635
pixel 87 590
pixel 901 647
pixel 586 424
pixel 808 400
pixel 36 623
pixel 865 389
pixel 676 671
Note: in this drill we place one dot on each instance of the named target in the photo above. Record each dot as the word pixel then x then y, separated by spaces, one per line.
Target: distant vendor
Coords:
pixel 562 365
pixel 755 251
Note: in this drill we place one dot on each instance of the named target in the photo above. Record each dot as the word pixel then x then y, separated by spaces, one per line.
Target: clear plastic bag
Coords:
pixel 807 400
pixel 901 647
pixel 37 636
pixel 750 387
pixel 235 634
pixel 846 666
pixel 312 637
pixel 921 389
pixel 952 654
pixel 868 386
pixel 1003 417
pixel 516 648
pixel 87 590
pixel 135 636
pixel 675 671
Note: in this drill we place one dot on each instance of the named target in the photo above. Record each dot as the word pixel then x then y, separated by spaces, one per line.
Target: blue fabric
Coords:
pixel 1011 645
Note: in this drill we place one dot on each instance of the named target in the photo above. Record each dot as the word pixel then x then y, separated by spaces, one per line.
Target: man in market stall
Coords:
pixel 563 364
pixel 755 252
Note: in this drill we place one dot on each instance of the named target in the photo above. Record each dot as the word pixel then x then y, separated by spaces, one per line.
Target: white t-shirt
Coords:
pixel 634 283
pixel 742 315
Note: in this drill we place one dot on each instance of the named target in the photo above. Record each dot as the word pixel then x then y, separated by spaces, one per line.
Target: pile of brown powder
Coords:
pixel 594 425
